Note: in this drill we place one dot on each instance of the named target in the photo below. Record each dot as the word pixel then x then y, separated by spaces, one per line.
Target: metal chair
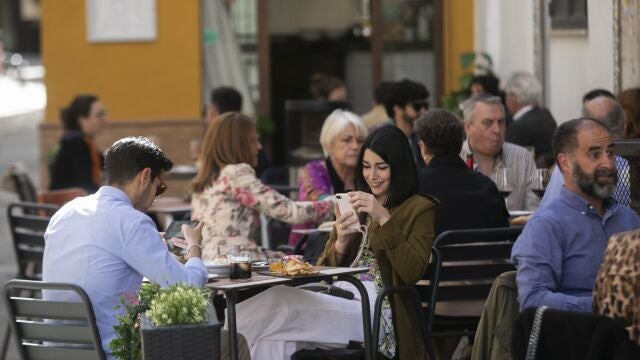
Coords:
pixel 52 329
pixel 27 222
pixel 471 261
pixel 424 294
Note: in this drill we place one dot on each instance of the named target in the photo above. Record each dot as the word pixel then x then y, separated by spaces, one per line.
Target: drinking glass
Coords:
pixel 239 266
pixel 504 181
pixel 540 181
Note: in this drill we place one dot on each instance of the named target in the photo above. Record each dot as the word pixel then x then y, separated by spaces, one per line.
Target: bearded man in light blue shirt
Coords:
pixel 560 249
pixel 106 244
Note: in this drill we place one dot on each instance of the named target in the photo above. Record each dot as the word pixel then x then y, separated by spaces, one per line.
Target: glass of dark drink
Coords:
pixel 504 181
pixel 239 266
pixel 540 181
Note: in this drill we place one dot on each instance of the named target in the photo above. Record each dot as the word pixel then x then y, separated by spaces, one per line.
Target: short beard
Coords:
pixel 590 186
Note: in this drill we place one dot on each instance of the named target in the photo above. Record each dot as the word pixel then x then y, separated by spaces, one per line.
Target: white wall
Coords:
pixel 575 63
pixel 504 29
pixel 579 63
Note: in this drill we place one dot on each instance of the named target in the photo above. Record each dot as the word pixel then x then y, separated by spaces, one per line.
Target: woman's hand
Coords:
pixel 343 222
pixel 193 238
pixel 366 203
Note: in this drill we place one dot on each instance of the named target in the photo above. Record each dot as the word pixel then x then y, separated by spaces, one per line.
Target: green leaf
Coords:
pixel 467 59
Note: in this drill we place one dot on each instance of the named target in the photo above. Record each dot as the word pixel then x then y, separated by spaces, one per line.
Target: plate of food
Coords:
pixel 291 268
pixel 219 265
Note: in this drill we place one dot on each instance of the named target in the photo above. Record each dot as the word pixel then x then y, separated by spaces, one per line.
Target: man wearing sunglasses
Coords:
pixel 406 102
pixel 105 243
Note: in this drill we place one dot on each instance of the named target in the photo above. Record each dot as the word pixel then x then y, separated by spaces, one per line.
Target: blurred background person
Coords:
pixel 630 101
pixel 467 199
pixel 341 136
pixel 408 100
pixel 327 87
pixel 78 162
pixel 532 125
pixel 378 115
pixel 229 197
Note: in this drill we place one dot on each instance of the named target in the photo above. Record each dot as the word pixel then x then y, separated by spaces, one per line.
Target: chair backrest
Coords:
pixel 52 329
pixel 23 185
pixel 28 222
pixel 472 260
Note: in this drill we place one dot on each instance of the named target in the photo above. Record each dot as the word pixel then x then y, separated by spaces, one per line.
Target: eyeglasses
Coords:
pixel 162 188
pixel 419 105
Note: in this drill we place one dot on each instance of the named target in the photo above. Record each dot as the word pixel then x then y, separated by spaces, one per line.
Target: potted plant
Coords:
pixel 175 322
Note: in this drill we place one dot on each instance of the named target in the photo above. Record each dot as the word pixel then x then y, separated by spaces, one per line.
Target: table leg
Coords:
pixel 232 296
pixel 370 347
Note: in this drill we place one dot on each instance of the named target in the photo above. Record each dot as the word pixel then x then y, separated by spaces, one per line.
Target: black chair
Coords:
pixel 52 329
pixel 28 222
pixel 22 183
pixel 423 294
pixel 471 261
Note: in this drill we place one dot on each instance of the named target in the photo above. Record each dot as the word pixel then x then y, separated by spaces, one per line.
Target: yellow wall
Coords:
pixel 458 38
pixel 136 81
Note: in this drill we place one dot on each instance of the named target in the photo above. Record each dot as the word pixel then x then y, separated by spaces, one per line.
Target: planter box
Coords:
pixel 192 342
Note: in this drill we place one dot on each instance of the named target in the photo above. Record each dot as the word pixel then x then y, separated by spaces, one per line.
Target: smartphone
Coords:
pixel 175 228
pixel 345 206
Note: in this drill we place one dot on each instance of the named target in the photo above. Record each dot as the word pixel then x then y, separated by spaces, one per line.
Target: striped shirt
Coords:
pixel 522 170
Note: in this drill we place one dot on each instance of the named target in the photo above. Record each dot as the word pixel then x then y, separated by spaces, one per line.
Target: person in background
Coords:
pixel 600 105
pixel 341 136
pixel 630 101
pixel 532 124
pixel 378 116
pixel 484 125
pixel 78 162
pixel 467 198
pixel 561 247
pixel 226 189
pixel 396 250
pixel 227 99
pixel 408 100
pixel 327 88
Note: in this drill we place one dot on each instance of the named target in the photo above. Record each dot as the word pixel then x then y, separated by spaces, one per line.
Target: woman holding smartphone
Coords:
pixel 396 248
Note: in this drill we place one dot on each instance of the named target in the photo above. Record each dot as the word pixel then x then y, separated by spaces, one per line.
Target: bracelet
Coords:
pixel 191 247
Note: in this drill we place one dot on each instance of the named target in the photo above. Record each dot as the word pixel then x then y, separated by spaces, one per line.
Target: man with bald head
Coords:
pixel 558 254
pixel 600 105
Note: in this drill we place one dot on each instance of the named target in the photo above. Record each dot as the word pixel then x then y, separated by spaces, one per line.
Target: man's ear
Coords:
pixel 564 162
pixel 145 177
pixel 467 127
pixel 398 112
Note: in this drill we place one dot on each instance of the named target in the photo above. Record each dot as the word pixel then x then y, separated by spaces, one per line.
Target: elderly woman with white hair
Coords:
pixel 341 136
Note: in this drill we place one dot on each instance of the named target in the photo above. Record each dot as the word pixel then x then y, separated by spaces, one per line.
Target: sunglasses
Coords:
pixel 162 188
pixel 419 105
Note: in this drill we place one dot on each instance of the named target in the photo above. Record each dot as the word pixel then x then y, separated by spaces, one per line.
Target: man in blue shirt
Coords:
pixel 561 247
pixel 603 107
pixel 105 243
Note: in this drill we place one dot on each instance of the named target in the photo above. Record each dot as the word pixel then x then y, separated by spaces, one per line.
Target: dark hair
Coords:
pixel 128 156
pixel 225 142
pixel 321 85
pixel 226 99
pixel 392 146
pixel 80 107
pixel 630 101
pixel 441 131
pixel 565 138
pixel 404 92
pixel 592 94
pixel 382 91
pixel 489 82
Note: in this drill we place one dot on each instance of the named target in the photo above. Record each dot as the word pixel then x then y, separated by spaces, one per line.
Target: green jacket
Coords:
pixel 402 247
